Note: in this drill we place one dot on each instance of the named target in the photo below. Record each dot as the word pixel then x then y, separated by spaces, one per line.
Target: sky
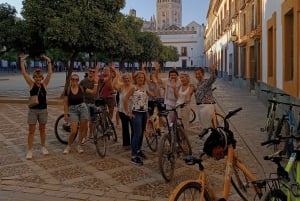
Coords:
pixel 192 10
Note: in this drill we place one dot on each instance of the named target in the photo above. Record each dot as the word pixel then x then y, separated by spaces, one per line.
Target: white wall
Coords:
pixel 268 8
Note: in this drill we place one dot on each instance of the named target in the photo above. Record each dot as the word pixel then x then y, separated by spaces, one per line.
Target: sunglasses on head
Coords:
pixel 37 70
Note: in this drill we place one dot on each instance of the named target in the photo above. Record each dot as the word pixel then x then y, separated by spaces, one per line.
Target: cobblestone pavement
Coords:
pixel 87 176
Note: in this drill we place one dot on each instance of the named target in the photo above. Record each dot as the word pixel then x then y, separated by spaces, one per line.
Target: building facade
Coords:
pixel 256 43
pixel 168 13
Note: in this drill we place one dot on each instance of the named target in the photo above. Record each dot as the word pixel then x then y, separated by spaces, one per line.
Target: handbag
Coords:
pixel 34 100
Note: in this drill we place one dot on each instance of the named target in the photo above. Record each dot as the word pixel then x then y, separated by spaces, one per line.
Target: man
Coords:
pixel 204 97
pixel 88 83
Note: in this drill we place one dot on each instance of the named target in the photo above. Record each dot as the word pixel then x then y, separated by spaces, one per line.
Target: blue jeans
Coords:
pixel 139 125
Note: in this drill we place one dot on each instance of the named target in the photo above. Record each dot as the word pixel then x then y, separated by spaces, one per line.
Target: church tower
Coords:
pixel 168 12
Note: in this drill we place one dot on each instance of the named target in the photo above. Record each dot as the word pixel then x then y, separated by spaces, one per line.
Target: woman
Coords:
pixel 37 113
pixel 76 111
pixel 138 114
pixel 123 85
pixel 184 96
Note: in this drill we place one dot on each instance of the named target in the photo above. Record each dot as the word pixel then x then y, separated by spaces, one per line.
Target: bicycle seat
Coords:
pixel 100 102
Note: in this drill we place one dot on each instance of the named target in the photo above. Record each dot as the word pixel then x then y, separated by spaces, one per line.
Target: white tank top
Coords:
pixel 182 95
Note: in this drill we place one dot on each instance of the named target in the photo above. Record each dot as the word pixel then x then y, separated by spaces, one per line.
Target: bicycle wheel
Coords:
pixel 151 137
pixel 184 142
pixel 274 195
pixel 100 140
pixel 242 186
pixel 192 116
pixel 62 129
pixel 189 191
pixel 166 158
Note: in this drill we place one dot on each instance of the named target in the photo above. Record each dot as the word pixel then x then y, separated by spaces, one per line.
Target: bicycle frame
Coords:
pixel 291 193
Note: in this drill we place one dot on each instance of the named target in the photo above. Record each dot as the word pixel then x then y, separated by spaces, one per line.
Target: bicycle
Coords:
pixel 104 128
pixel 156 125
pixel 172 144
pixel 282 188
pixel 269 125
pixel 287 126
pixel 220 143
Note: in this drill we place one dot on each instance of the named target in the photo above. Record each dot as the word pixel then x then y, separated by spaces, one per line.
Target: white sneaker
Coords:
pixel 83 141
pixel 29 155
pixel 79 149
pixel 45 151
pixel 67 150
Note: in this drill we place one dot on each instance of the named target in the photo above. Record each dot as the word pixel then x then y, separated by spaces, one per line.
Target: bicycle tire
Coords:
pixel 242 186
pixel 189 190
pixel 192 116
pixel 166 158
pixel 274 195
pixel 100 140
pixel 184 142
pixel 151 137
pixel 62 130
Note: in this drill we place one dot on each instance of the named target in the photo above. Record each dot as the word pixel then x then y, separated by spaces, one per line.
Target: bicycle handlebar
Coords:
pixel 274 93
pixel 283 103
pixel 279 139
pixel 229 115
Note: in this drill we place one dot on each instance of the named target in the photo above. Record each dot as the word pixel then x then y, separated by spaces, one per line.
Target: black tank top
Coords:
pixel 42 96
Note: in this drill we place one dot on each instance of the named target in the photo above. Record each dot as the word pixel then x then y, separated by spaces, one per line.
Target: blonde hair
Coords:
pixel 37 74
pixel 137 74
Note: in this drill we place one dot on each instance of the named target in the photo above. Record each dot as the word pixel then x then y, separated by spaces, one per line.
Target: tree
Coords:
pixel 73 26
pixel 168 53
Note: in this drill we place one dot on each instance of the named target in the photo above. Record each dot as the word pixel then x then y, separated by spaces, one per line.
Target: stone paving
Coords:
pixel 87 176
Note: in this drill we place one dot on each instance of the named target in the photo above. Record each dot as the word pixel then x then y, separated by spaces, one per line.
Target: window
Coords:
pixel 183 51
pixel 271 51
pixel 289 47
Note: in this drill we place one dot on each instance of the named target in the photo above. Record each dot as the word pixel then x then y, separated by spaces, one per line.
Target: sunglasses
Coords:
pixel 75 79
pixel 37 70
pixel 91 71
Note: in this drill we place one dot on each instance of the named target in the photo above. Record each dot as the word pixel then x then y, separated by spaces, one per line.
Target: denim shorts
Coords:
pixel 78 112
pixel 37 115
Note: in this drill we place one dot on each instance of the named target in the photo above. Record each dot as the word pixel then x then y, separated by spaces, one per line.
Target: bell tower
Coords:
pixel 168 12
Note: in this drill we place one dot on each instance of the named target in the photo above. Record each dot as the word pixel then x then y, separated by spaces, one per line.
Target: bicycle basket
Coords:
pixel 216 143
pixel 100 102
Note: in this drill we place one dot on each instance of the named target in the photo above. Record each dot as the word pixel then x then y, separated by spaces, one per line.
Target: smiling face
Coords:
pixel 184 78
pixel 140 78
pixel 199 74
pixel 91 73
pixel 74 79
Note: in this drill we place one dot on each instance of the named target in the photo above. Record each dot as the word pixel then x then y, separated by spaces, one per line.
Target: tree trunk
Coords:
pixel 69 72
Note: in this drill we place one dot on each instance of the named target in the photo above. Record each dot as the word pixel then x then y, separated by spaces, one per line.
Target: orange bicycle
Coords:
pixel 221 142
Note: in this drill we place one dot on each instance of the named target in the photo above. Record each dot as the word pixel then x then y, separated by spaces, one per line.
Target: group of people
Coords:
pixel 136 92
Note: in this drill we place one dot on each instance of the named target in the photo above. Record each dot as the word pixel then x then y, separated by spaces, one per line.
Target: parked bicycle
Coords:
pixel 271 114
pixel 285 185
pixel 172 144
pixel 219 144
pixel 287 125
pixel 104 128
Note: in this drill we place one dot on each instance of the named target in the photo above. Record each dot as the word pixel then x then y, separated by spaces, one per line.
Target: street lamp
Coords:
pixel 192 56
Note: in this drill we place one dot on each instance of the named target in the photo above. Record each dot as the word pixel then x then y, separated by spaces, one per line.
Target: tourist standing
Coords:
pixel 37 113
